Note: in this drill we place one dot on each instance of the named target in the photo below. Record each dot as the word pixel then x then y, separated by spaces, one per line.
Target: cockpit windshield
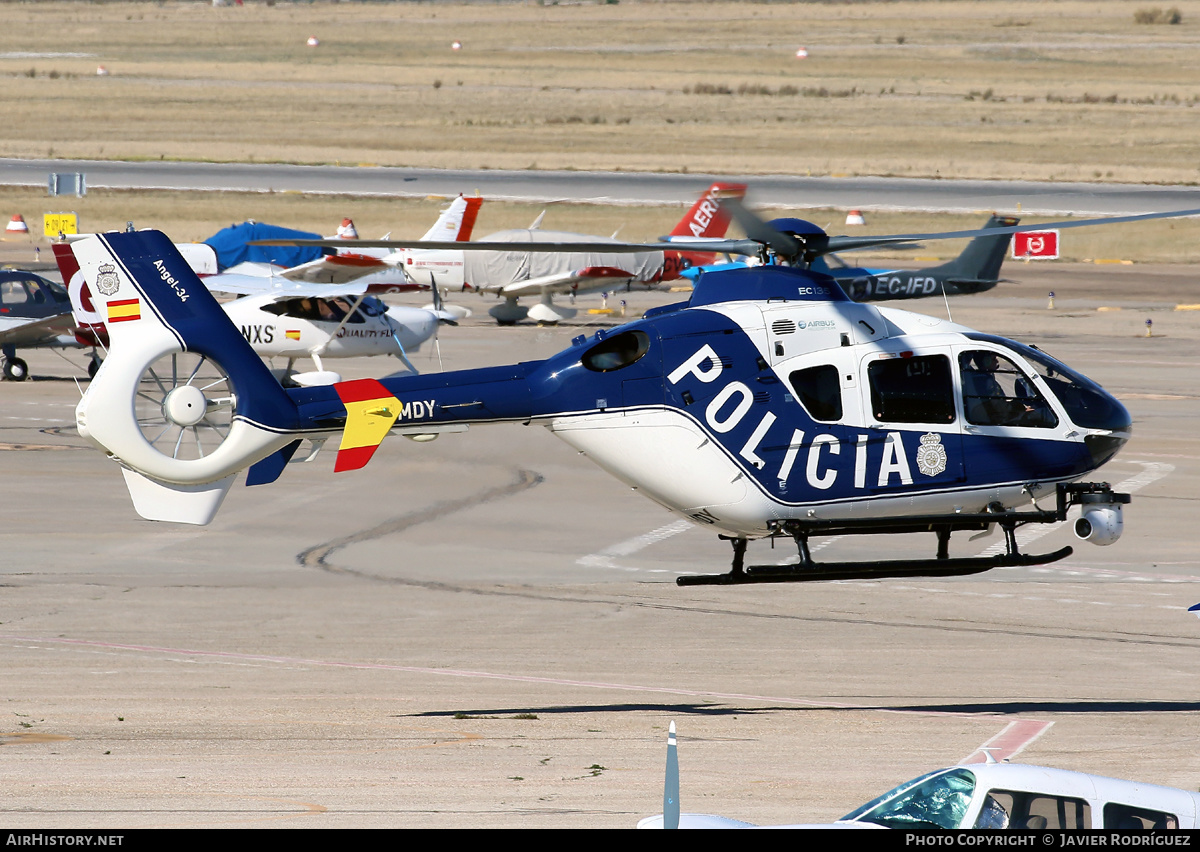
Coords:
pixel 937 800
pixel 1086 403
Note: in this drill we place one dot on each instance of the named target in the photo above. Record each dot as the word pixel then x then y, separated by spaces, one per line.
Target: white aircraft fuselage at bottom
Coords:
pixel 294 328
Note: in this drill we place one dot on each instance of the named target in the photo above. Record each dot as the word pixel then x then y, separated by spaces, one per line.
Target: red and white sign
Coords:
pixel 1042 245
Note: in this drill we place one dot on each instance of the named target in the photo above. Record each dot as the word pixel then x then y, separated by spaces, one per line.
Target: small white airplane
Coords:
pixel 988 795
pixel 294 321
pixel 512 274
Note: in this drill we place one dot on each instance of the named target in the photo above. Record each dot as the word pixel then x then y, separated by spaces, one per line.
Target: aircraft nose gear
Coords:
pixel 1100 523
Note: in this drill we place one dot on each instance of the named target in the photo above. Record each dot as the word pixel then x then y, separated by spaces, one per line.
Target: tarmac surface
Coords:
pixel 484 631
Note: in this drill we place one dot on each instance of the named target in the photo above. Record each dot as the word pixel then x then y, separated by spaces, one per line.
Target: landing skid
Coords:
pixel 806 570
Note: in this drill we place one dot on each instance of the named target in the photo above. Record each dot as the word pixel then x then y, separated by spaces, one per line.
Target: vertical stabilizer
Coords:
pixel 457 221
pixel 980 261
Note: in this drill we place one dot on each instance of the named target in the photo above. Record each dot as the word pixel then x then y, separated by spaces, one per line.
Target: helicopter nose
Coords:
pixel 1104 447
pixel 1108 422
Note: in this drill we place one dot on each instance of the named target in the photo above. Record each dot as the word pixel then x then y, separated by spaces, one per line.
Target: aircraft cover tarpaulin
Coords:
pixel 496 269
pixel 230 245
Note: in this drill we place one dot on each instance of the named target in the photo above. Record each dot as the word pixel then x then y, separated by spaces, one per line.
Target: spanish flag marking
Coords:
pixel 292 334
pixel 124 310
pixel 370 412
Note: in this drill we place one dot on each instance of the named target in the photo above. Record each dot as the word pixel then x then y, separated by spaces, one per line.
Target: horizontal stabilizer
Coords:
pixel 371 410
pixel 180 504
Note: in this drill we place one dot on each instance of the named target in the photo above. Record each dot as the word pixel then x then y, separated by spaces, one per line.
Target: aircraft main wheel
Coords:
pixel 16 370
pixel 185 405
pixel 94 366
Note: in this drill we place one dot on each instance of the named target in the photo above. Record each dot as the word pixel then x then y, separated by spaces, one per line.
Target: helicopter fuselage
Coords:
pixel 772 396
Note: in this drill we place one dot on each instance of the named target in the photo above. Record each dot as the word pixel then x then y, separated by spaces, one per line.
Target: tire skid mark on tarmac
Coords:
pixel 318 555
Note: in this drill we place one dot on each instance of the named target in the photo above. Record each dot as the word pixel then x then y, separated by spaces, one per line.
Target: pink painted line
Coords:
pixel 1011 741
pixel 1030 729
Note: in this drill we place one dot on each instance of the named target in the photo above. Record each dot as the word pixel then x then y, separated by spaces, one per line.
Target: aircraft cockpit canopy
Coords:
pixel 21 290
pixel 326 310
pixel 935 800
pixel 1087 404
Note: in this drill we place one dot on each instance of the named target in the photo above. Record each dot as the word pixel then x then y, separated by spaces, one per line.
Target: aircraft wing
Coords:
pixel 589 277
pixel 20 333
pixel 281 288
pixel 336 268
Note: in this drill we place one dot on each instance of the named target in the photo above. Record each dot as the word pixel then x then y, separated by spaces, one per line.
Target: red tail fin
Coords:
pixel 90 329
pixel 706 218
pixel 468 219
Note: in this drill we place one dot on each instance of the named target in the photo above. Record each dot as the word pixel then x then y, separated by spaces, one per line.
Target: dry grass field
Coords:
pixel 1053 89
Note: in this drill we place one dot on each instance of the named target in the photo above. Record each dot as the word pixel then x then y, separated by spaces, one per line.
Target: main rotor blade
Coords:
pixel 746 247
pixel 784 245
pixel 759 234
pixel 844 243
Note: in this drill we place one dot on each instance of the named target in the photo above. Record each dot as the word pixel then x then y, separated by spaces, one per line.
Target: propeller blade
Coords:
pixel 671 783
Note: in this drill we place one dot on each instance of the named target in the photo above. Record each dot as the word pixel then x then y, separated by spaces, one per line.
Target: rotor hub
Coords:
pixel 185 406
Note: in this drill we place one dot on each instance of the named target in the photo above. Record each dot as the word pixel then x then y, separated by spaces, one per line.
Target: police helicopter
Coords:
pixel 768 405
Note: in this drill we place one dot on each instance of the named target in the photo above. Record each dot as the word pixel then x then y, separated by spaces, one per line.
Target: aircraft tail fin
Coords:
pixel 89 324
pixel 182 401
pixel 457 221
pixel 980 261
pixel 707 218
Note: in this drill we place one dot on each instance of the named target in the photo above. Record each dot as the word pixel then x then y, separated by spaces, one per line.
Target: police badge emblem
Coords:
pixel 931 455
pixel 107 281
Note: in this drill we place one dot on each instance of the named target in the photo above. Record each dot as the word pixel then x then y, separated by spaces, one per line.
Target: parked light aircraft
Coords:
pixel 512 272
pixel 975 270
pixel 768 405
pixel 989 795
pixel 33 312
pixel 292 321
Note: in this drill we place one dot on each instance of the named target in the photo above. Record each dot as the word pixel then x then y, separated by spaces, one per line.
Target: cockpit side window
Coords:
pixel 616 352
pixel 819 391
pixel 13 293
pixel 315 310
pixel 997 393
pixel 916 389
pixel 1021 809
pixel 1130 817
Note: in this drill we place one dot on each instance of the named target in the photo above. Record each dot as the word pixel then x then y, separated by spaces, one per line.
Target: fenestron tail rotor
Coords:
pixel 185 404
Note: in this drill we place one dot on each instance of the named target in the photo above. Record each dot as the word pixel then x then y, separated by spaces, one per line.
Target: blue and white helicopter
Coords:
pixel 767 405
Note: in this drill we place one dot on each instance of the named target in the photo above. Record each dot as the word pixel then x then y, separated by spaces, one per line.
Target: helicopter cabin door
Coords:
pixel 913 439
